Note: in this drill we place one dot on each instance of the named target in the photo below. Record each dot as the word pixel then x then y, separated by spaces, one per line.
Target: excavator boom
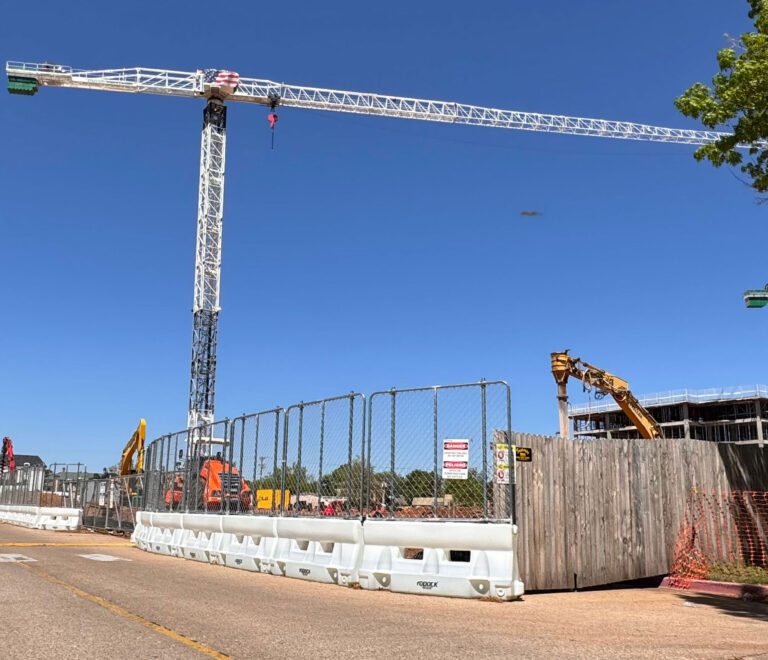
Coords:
pixel 135 446
pixel 565 366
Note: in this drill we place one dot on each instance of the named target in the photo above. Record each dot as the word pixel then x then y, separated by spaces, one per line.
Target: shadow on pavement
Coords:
pixel 745 609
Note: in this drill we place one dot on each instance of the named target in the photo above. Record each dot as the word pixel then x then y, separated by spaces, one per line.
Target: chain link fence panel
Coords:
pixel 22 486
pixel 430 452
pixel 164 465
pixel 324 457
pixel 409 453
pixel 257 455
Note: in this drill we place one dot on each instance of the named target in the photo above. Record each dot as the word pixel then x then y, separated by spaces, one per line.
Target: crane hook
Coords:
pixel 272 117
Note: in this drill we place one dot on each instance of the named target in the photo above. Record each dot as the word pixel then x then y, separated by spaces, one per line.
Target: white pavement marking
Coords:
pixel 103 558
pixel 14 558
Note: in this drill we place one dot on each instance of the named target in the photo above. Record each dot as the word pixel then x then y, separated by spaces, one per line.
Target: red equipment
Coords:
pixel 7 461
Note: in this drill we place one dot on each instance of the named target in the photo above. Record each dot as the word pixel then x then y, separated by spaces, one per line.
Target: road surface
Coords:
pixel 126 603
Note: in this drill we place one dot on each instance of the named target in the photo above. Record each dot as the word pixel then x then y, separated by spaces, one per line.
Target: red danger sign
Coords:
pixel 455 458
pixel 456 445
pixel 455 465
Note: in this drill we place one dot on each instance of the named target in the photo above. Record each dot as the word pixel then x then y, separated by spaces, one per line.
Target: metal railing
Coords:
pixel 418 452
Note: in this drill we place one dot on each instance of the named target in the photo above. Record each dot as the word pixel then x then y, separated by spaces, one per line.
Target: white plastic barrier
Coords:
pixel 464 559
pixel 41 517
pixel 164 532
pixel 59 518
pixel 142 529
pixel 248 542
pixel 25 516
pixel 319 549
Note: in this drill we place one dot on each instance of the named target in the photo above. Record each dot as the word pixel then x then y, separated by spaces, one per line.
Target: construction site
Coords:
pixel 420 491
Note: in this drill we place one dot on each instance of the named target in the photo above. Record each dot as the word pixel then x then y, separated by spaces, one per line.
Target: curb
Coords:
pixel 731 589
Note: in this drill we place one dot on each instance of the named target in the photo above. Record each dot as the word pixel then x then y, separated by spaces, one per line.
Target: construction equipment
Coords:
pixel 213 485
pixel 7 461
pixel 564 366
pixel 135 446
pixel 217 86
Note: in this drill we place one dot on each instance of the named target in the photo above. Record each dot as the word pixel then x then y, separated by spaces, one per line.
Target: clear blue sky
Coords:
pixel 365 252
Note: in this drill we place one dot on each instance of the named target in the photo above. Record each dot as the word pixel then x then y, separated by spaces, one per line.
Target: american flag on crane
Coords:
pixel 220 77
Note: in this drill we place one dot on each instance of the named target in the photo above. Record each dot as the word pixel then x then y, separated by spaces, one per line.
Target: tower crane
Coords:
pixel 219 86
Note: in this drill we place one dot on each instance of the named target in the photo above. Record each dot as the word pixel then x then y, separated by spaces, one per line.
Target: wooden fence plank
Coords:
pixel 610 510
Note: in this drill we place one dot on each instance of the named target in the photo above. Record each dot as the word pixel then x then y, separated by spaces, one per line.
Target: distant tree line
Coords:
pixel 346 479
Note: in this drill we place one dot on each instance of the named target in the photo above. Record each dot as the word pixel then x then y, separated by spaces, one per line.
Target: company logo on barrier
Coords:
pixel 304 571
pixel 426 585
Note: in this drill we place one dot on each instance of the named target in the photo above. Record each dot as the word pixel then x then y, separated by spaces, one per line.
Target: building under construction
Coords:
pixel 738 415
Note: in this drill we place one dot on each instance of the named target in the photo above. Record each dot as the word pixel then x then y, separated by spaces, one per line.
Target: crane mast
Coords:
pixel 26 78
pixel 206 304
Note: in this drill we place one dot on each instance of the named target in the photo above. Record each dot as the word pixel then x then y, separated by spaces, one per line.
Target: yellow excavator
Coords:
pixel 135 446
pixel 564 366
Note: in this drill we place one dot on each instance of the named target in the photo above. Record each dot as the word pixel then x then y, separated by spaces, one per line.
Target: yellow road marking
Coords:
pixel 207 650
pixel 67 545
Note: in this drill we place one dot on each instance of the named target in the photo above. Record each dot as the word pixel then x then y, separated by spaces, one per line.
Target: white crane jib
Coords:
pixel 218 86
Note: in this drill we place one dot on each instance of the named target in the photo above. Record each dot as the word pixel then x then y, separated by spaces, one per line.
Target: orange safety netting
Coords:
pixel 723 536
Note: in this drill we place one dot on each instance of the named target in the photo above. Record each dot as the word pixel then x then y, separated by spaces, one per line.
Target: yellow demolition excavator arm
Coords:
pixel 564 366
pixel 135 446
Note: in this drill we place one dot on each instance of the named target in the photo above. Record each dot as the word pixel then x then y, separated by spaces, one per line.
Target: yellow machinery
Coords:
pixel 135 446
pixel 563 366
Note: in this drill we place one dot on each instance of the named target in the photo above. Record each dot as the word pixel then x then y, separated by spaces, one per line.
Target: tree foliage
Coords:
pixel 467 492
pixel 345 481
pixel 737 102
pixel 296 478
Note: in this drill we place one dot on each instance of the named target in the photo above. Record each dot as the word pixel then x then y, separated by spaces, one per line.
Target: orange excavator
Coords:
pixel 219 486
pixel 563 366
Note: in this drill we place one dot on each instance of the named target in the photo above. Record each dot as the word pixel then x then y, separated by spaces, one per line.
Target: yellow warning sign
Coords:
pixel 524 454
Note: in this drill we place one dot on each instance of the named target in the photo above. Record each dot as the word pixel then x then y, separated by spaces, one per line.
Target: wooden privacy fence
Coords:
pixel 593 512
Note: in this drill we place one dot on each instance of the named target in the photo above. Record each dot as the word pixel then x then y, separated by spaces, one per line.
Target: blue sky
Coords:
pixel 364 253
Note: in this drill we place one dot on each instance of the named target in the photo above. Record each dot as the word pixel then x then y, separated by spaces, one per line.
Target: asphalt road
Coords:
pixel 141 605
